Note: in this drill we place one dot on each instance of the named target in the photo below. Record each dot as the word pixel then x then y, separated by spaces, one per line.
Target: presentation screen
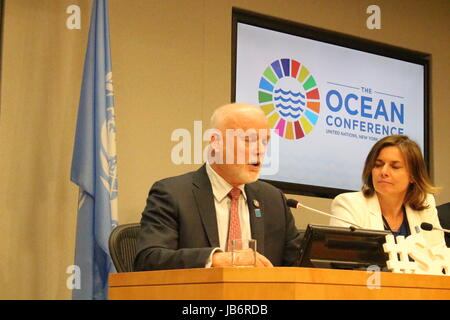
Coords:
pixel 327 97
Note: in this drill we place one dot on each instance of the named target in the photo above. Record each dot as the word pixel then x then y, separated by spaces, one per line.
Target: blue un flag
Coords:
pixel 94 162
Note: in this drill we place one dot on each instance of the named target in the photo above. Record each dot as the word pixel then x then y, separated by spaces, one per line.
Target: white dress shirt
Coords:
pixel 222 203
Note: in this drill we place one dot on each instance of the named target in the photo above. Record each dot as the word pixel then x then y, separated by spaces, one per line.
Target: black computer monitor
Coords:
pixel 342 248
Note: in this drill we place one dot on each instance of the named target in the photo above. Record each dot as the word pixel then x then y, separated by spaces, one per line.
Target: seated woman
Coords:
pixel 396 193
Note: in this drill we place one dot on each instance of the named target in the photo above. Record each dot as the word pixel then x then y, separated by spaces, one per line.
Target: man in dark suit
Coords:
pixel 190 219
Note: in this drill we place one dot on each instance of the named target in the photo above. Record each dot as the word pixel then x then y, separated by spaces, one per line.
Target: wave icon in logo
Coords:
pixel 289 97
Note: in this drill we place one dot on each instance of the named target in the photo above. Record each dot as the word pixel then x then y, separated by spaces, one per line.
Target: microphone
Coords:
pixel 295 204
pixel 428 227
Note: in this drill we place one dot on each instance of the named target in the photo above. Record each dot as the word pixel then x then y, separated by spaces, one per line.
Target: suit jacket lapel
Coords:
pixel 376 220
pixel 256 218
pixel 413 220
pixel 204 198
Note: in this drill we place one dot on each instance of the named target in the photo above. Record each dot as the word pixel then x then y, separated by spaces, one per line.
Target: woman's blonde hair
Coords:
pixel 421 184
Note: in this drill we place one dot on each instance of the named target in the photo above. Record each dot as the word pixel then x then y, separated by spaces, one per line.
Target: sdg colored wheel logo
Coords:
pixel 289 97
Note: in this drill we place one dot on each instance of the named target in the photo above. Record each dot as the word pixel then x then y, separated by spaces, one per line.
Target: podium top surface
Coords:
pixel 275 275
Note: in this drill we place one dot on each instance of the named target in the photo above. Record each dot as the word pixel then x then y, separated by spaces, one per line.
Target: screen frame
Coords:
pixel 339 39
pixel 348 236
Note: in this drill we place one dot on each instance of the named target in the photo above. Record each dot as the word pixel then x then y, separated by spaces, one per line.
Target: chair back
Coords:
pixel 444 219
pixel 122 246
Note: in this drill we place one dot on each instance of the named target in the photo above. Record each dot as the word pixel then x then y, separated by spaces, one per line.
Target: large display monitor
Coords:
pixel 328 98
pixel 343 248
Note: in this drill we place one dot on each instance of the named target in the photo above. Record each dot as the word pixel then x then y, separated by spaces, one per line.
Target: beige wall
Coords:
pixel 185 43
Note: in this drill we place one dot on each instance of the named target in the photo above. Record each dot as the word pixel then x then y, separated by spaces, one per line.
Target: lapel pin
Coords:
pixel 256 203
pixel 258 213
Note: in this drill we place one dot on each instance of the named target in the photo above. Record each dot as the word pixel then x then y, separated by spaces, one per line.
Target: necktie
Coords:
pixel 234 227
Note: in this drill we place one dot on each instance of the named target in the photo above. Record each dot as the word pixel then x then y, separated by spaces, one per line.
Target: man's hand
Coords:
pixel 223 259
pixel 262 261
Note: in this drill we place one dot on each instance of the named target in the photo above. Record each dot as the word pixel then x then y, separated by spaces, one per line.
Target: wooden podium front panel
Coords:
pixel 204 284
pixel 273 284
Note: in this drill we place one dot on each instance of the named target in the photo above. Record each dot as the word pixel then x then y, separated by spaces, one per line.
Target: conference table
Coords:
pixel 278 283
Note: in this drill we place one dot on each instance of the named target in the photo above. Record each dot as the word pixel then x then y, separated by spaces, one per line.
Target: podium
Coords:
pixel 279 283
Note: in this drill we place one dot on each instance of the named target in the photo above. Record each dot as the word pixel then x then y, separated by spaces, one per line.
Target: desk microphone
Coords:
pixel 295 204
pixel 428 227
